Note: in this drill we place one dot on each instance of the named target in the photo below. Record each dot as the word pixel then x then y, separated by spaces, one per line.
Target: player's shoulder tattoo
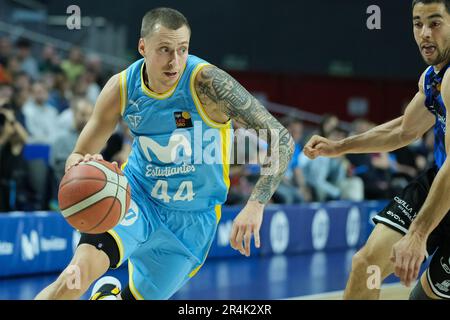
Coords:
pixel 233 99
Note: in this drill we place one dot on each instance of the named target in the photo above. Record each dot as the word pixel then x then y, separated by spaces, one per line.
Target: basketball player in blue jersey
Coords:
pixel 417 221
pixel 166 98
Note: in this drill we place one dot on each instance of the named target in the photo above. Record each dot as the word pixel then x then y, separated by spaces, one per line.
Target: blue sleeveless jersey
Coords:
pixel 435 104
pixel 179 157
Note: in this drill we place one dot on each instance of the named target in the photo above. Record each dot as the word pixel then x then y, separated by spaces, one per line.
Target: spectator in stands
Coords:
pixel 329 123
pixel 15 193
pixel 426 149
pixel 4 76
pixel 95 66
pixel 28 64
pixel 40 117
pixel 80 87
pixel 373 169
pixel 241 185
pixel 80 90
pixel 65 143
pixel 93 89
pixel 60 94
pixel 21 81
pixel 6 94
pixel 5 53
pixel 73 67
pixel 66 118
pixel 293 187
pixel 245 165
pixel 11 69
pixel 351 186
pixel 407 162
pixel 329 178
pixel 119 144
pixel 5 50
pixel 9 99
pixel 49 60
pixel 20 97
pixel 405 166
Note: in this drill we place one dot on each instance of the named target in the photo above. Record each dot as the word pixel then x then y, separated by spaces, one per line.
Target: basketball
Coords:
pixel 94 196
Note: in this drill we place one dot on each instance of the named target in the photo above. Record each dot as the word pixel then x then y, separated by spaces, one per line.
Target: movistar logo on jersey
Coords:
pixel 178 143
pixel 184 146
pixel 196 146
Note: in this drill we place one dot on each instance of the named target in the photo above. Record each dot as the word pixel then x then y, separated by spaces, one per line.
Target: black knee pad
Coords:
pixel 438 272
pixel 104 242
pixel 418 293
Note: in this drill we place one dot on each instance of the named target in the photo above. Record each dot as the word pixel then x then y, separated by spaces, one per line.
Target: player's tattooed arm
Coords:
pixel 218 90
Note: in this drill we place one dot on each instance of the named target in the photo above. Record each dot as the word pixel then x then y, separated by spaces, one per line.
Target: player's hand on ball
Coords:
pixel 320 146
pixel 247 222
pixel 94 195
pixel 76 158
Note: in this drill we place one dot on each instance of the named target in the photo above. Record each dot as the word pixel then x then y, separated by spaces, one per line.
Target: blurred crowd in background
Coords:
pixel 47 97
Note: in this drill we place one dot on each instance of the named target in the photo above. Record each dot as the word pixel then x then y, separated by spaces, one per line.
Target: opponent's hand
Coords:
pixel 76 158
pixel 407 256
pixel 246 223
pixel 320 146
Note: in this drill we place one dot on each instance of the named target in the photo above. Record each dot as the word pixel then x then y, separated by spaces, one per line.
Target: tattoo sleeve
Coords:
pixel 215 86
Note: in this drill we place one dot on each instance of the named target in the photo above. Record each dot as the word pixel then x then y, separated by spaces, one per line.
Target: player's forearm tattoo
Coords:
pixel 217 86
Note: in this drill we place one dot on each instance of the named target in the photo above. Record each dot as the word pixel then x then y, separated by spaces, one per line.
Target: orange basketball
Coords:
pixel 94 196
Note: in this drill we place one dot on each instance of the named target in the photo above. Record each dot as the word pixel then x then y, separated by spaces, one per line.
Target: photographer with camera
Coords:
pixel 13 167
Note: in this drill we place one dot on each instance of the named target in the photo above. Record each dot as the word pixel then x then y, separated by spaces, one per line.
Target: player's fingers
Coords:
pixel 313 141
pixel 310 152
pixel 233 235
pixel 404 269
pixel 240 238
pixel 417 268
pixel 87 157
pixel 115 164
pixel 413 270
pixel 397 263
pixel 307 152
pixel 77 162
pixel 409 272
pixel 71 166
pixel 97 156
pixel 257 240
pixel 247 238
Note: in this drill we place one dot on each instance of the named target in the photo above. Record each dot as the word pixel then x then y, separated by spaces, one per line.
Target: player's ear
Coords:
pixel 141 47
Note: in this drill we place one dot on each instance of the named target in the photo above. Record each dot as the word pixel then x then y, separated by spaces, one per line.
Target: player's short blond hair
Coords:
pixel 167 17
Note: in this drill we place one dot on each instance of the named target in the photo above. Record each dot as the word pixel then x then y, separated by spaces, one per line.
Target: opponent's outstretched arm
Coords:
pixel 386 137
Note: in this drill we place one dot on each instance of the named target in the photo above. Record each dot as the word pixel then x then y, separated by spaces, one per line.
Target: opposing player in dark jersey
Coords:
pixel 417 221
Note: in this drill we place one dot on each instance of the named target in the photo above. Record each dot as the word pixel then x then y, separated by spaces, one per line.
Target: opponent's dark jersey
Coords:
pixel 435 104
